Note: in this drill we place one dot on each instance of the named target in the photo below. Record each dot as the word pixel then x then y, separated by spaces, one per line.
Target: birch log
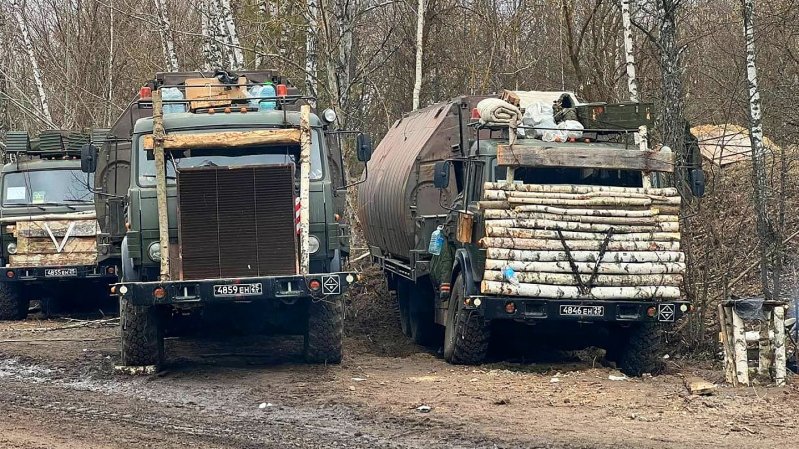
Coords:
pixel 607 280
pixel 584 256
pixel 577 245
pixel 764 346
pixel 632 221
pixel 569 292
pixel 588 267
pixel 571 188
pixel 503 194
pixel 582 227
pixel 571 211
pixel 726 342
pixel 779 345
pixel 160 182
pixel 739 348
pixel 570 235
pixel 305 186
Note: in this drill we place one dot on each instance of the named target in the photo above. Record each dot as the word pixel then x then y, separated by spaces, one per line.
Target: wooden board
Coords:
pixel 53 260
pixel 46 246
pixel 210 92
pixel 699 386
pixel 82 228
pixel 229 139
pixel 573 156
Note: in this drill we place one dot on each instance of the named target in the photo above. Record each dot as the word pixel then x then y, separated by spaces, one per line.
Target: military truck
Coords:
pixel 232 202
pixel 48 226
pixel 570 237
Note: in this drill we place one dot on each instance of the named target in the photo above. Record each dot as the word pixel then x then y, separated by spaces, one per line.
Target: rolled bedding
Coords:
pixel 496 111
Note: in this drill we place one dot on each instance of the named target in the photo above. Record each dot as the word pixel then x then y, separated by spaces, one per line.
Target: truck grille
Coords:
pixel 237 221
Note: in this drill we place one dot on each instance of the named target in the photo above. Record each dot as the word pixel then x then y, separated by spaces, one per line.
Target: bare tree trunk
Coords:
pixel 760 194
pixel 110 74
pixel 229 25
pixel 311 40
pixel 632 83
pixel 212 49
pixel 167 41
pixel 344 16
pixel 417 86
pixel 37 74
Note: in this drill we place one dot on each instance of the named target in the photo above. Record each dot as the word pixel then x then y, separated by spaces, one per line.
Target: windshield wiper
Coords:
pixel 153 177
pixel 51 203
pixel 75 200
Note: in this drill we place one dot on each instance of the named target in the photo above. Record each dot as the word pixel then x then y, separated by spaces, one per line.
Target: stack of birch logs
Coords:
pixel 552 237
pixel 53 240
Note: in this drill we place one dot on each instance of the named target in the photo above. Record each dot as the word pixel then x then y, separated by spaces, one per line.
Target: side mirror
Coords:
pixel 88 158
pixel 441 174
pixel 697 180
pixel 364 144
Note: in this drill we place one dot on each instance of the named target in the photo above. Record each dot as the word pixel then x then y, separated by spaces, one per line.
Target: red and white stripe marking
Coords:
pixel 297 214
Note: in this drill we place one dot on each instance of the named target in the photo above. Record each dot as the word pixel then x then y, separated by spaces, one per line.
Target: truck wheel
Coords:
pixel 323 339
pixel 467 334
pixel 403 300
pixel 142 335
pixel 644 350
pixel 13 306
pixel 421 313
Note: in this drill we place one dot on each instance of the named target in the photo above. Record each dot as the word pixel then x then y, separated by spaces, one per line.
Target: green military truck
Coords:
pixel 567 234
pixel 221 192
pixel 48 226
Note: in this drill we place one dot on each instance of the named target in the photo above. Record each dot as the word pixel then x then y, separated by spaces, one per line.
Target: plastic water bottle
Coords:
pixel 436 241
pixel 172 93
pixel 510 275
pixel 268 90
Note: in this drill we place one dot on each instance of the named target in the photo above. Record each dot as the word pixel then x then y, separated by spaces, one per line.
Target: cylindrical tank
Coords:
pixel 399 186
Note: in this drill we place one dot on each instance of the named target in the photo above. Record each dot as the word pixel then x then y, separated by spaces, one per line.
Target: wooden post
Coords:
pixel 160 182
pixel 779 344
pixel 642 143
pixel 765 354
pixel 305 186
pixel 739 344
pixel 729 352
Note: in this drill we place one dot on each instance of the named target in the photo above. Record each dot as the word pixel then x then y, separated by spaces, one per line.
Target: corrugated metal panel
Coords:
pixel 237 222
pixel 400 174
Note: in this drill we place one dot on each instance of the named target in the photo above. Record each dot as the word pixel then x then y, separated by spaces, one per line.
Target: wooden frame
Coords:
pixel 227 139
pixel 568 155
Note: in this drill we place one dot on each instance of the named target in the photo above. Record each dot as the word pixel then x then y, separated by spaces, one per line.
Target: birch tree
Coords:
pixel 311 40
pixel 16 7
pixel 629 58
pixel 167 40
pixel 212 48
pixel 232 37
pixel 417 85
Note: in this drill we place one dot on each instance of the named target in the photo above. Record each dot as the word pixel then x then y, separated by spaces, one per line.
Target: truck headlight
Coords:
pixel 154 251
pixel 12 248
pixel 313 244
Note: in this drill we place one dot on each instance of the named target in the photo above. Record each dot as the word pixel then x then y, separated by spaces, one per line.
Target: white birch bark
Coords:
pixel 167 41
pixel 760 195
pixel 37 74
pixel 212 48
pixel 110 72
pixel 346 23
pixel 632 83
pixel 417 85
pixel 311 40
pixel 229 25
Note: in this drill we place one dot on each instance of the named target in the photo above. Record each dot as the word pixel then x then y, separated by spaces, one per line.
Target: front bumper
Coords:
pixel 284 288
pixel 537 309
pixel 30 275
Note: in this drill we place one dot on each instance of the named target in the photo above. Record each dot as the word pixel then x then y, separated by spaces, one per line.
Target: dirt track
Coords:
pixel 63 394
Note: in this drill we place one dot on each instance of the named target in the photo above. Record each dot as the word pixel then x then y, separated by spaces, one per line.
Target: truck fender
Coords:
pixel 129 271
pixel 463 265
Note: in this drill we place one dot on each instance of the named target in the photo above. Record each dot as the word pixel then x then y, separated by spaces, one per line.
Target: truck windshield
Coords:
pixel 45 187
pixel 225 157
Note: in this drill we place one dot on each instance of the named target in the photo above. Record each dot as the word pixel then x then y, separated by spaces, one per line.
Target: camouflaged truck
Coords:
pixel 575 239
pixel 48 226
pixel 221 202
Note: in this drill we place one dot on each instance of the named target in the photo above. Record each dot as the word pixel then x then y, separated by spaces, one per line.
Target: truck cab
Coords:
pixel 48 225
pixel 232 201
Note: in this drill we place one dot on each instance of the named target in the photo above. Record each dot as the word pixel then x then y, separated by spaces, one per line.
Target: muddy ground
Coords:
pixel 254 392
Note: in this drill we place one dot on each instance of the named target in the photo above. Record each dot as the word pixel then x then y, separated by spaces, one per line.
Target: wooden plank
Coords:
pixel 227 139
pixel 588 267
pixel 465 227
pixel 569 292
pixel 53 260
pixel 46 246
pixel 584 256
pixel 605 280
pixel 82 228
pixel 577 245
pixel 570 156
pixel 698 386
pixel 89 215
pixel 574 188
pixel 210 92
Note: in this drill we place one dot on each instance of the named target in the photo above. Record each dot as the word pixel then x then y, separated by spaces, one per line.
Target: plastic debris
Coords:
pixel 622 377
pixel 424 408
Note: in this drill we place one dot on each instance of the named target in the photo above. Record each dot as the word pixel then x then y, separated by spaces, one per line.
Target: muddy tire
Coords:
pixel 467 335
pixel 403 300
pixel 644 350
pixel 421 313
pixel 13 305
pixel 325 334
pixel 142 335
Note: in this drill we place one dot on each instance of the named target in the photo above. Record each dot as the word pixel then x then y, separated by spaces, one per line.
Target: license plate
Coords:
pixel 238 290
pixel 60 272
pixel 582 310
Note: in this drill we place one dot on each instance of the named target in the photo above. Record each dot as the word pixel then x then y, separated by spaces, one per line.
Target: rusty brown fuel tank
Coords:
pixel 399 186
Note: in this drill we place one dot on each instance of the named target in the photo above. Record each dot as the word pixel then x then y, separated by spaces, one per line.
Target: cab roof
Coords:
pixel 188 120
pixel 41 164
